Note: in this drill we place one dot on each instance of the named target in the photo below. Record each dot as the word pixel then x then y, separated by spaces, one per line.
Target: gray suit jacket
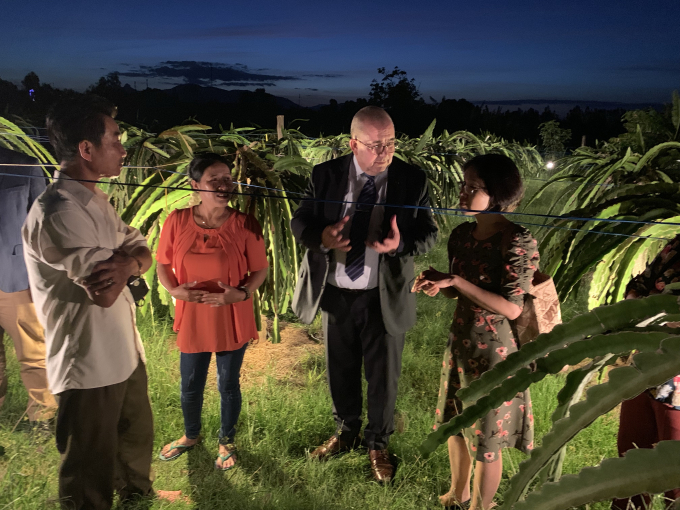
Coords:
pixel 406 185
pixel 17 194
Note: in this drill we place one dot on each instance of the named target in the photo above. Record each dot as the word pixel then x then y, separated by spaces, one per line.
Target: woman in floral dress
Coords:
pixel 491 265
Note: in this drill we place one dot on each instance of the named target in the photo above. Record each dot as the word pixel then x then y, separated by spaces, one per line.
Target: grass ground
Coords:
pixel 281 420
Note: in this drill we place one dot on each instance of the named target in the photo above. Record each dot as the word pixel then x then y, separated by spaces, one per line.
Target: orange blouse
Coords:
pixel 207 256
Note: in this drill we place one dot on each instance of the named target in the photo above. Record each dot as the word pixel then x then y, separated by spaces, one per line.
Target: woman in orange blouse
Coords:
pixel 211 258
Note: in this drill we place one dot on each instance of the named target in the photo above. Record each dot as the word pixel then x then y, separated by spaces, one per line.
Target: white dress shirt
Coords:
pixel 69 229
pixel 336 273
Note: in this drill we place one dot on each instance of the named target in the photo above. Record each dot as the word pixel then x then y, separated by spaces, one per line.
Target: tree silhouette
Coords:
pixel 31 81
pixel 394 90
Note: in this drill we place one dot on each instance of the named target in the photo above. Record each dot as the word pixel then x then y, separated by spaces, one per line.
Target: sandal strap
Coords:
pixel 226 457
pixel 176 446
pixel 231 451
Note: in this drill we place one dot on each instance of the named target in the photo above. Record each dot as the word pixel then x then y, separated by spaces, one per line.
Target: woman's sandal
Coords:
pixel 231 452
pixel 454 504
pixel 180 449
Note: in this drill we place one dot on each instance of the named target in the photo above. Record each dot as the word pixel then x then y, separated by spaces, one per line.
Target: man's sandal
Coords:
pixel 180 449
pixel 231 452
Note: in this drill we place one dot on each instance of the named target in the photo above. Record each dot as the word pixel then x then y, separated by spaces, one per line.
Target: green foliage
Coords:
pixel 641 470
pixel 599 335
pixel 553 139
pixel 635 177
pixel 647 128
pixel 13 137
pixel 613 184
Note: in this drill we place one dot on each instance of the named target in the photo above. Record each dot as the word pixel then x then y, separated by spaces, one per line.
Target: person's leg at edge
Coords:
pixel 461 469
pixel 193 368
pixel 3 368
pixel 29 344
pixel 668 429
pixel 343 362
pixel 229 385
pixel 382 364
pixel 87 439
pixel 18 319
pixel 637 429
pixel 135 438
pixel 486 482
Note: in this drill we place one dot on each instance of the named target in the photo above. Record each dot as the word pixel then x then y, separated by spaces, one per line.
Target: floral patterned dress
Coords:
pixel 664 270
pixel 480 339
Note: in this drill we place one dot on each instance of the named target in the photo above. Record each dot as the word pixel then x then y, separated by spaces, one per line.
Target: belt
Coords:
pixel 353 291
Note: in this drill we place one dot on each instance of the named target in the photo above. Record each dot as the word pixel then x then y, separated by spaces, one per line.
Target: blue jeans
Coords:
pixel 194 372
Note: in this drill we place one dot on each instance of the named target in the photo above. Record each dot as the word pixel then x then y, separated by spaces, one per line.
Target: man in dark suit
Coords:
pixel 17 313
pixel 358 269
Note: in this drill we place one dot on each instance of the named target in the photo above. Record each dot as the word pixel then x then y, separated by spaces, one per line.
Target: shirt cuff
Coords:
pixel 399 249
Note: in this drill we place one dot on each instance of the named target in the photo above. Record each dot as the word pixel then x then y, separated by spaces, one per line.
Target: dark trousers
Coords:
pixel 354 331
pixel 105 437
pixel 643 423
pixel 194 372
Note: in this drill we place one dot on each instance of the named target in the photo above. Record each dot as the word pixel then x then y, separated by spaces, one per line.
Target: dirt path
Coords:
pixel 283 361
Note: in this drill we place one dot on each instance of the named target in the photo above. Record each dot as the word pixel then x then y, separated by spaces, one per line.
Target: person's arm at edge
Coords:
pixel 423 237
pixel 305 226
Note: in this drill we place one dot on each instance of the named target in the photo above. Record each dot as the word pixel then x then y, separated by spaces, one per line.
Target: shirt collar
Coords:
pixel 358 172
pixel 76 189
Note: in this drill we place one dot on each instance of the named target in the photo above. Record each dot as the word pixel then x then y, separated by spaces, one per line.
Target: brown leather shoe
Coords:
pixel 334 446
pixel 381 467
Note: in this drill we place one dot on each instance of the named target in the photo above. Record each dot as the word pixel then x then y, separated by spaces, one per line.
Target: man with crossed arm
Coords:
pixel 79 256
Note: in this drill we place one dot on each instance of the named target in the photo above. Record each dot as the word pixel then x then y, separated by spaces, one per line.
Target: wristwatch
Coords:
pixel 244 289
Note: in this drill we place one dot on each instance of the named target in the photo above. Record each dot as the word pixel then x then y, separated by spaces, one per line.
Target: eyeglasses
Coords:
pixel 466 188
pixel 377 148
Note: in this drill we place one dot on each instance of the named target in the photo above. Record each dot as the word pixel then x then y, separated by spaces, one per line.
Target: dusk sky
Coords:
pixel 609 50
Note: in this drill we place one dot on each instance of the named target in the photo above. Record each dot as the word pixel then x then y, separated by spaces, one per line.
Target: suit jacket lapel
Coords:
pixel 337 187
pixel 394 195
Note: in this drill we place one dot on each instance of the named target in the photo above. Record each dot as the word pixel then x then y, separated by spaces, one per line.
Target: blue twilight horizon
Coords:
pixel 310 52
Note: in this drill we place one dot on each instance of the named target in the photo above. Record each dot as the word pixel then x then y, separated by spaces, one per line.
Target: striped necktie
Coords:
pixel 354 264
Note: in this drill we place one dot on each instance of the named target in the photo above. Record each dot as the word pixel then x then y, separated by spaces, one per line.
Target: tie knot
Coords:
pixel 370 177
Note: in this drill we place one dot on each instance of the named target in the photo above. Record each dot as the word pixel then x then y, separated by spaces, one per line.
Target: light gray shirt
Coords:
pixel 355 182
pixel 69 229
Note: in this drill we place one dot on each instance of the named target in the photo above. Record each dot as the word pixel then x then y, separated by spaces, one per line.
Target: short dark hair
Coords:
pixel 71 121
pixel 501 178
pixel 199 164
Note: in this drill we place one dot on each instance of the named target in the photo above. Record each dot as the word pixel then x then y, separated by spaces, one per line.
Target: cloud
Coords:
pixel 330 75
pixel 204 73
pixel 667 67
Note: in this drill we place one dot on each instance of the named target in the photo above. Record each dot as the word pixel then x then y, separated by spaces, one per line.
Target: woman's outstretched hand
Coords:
pixel 431 280
pixel 229 296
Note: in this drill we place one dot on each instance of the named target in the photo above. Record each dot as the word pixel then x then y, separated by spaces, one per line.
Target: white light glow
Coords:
pixel 550 165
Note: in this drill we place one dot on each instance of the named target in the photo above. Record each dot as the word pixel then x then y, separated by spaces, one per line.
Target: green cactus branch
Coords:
pixel 644 470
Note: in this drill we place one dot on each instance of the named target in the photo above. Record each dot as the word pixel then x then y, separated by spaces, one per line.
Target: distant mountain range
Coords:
pixel 192 93
pixel 562 106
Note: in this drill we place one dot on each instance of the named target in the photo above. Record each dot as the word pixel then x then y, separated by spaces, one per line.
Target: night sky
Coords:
pixel 609 50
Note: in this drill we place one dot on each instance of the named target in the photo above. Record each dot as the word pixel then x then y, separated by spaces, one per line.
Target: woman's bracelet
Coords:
pixel 244 289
